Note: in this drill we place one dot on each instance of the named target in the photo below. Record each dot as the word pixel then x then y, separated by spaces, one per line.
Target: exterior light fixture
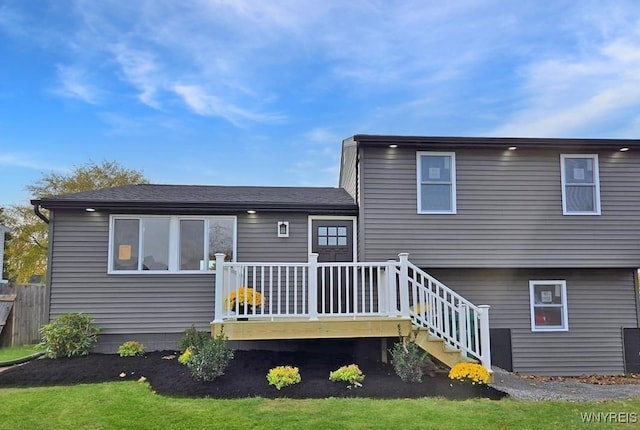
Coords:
pixel 625 149
pixel 393 146
pixel 251 211
pixel 283 228
pixel 512 148
pixel 90 209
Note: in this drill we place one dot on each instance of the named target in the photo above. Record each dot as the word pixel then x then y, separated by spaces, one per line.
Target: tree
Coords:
pixel 26 251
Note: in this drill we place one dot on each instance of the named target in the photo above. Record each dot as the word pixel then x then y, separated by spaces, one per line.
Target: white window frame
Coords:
pixel 596 184
pixel 532 305
pixel 452 155
pixel 174 243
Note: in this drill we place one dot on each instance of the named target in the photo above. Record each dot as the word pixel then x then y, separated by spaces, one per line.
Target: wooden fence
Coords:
pixel 26 317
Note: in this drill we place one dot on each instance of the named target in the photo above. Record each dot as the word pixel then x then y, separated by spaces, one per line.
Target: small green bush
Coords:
pixel 211 359
pixel 69 335
pixel 350 374
pixel 409 360
pixel 131 348
pixel 194 339
pixel 283 376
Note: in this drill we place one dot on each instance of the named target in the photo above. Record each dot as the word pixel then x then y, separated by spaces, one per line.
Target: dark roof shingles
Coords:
pixel 185 194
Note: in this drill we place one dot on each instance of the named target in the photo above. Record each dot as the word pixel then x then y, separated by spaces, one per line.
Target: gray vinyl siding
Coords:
pixel 600 302
pixel 509 212
pixel 120 304
pixel 149 306
pixel 258 241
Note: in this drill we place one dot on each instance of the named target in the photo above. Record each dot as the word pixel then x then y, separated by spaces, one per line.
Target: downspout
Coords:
pixel 36 209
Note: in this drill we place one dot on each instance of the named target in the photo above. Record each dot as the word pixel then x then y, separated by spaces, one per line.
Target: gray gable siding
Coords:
pixel 509 212
pixel 600 303
pixel 150 304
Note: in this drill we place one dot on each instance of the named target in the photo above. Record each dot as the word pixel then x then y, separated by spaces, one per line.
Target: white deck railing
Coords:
pixel 352 289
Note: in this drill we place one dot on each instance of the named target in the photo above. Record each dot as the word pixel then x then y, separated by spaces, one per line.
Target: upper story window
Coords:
pixel 580 184
pixel 548 301
pixel 144 244
pixel 436 182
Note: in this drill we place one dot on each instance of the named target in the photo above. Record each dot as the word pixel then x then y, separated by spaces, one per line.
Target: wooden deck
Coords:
pixel 324 328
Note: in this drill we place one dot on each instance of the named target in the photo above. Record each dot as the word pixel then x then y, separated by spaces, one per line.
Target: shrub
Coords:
pixel 69 335
pixel 211 359
pixel 283 376
pixel 194 339
pixel 131 348
pixel 409 360
pixel 350 374
pixel 469 372
pixel 186 356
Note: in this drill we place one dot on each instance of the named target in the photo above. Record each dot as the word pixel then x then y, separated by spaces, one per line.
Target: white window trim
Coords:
pixel 174 243
pixel 565 313
pixel 596 180
pixel 454 208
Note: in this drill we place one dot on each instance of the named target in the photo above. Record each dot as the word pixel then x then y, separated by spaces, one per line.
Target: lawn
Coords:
pixel 133 405
pixel 14 352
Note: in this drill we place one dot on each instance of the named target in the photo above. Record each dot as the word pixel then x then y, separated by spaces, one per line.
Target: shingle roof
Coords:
pixel 205 197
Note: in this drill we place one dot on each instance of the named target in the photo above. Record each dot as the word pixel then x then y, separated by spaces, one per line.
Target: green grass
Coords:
pixel 132 405
pixel 14 352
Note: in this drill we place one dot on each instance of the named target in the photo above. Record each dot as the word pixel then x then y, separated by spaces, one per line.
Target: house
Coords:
pixel 519 251
pixel 3 231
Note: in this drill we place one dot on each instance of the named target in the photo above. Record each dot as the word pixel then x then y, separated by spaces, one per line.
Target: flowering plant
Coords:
pixel 469 372
pixel 283 376
pixel 350 374
pixel 243 296
pixel 186 356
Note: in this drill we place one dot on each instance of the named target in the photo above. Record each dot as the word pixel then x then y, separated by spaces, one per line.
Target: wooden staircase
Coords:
pixel 438 349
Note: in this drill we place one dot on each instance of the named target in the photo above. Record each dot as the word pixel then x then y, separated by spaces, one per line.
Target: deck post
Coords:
pixel 219 291
pixel 392 289
pixel 404 284
pixel 462 328
pixel 313 287
pixel 485 344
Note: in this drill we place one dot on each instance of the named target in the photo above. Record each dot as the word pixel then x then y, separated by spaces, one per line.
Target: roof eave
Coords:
pixel 499 142
pixel 193 207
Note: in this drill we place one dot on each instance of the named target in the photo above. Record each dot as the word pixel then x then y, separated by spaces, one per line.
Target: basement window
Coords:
pixel 548 301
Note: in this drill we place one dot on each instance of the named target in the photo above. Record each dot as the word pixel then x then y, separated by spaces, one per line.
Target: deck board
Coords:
pixel 326 328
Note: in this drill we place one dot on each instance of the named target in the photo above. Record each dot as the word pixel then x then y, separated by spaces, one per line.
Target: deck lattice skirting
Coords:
pixel 348 300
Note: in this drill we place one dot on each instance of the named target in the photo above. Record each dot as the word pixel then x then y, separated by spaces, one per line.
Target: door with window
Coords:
pixel 332 240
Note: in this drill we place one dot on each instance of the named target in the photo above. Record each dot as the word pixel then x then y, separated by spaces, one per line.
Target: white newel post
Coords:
pixel 392 289
pixel 313 287
pixel 485 344
pixel 462 327
pixel 404 284
pixel 219 293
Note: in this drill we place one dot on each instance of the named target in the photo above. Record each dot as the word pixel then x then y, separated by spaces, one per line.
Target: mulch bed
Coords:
pixel 245 376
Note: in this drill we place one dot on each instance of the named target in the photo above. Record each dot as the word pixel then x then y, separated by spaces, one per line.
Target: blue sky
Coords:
pixel 253 92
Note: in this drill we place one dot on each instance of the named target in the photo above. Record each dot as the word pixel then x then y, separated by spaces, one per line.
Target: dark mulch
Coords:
pixel 245 376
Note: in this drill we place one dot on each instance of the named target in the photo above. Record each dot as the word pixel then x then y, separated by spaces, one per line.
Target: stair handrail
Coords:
pixel 445 313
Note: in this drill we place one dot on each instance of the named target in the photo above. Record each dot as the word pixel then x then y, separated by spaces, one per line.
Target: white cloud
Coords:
pixel 141 70
pixel 74 83
pixel 28 161
pixel 206 104
pixel 569 97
